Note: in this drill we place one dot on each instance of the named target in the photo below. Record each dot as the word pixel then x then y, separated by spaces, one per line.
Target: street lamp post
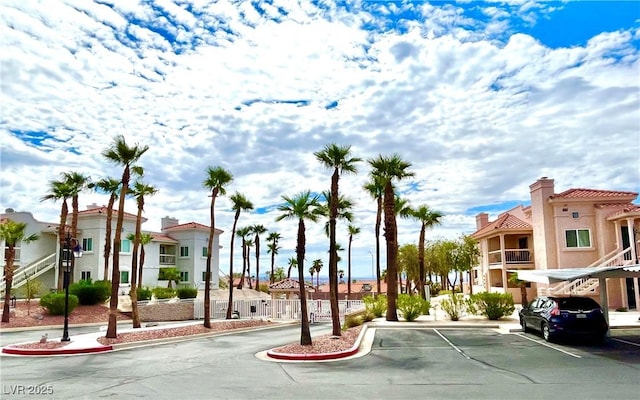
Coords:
pixel 67 256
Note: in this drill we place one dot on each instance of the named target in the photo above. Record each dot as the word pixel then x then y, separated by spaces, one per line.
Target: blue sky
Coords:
pixel 483 98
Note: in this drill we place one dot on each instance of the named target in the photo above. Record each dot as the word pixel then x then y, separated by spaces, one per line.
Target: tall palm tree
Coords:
pixel 138 191
pixel 120 154
pixel 345 206
pixel 375 188
pixel 248 244
pixel 403 210
pixel 389 169
pixel 353 231
pixel 239 203
pixel 293 263
pixel 317 265
pixel 257 231
pixel 59 190
pixel 145 239
pixel 302 206
pixel 312 271
pixel 110 186
pixel 217 179
pixel 339 159
pixel 427 218
pixel 243 233
pixel 78 183
pixel 273 248
pixel 12 233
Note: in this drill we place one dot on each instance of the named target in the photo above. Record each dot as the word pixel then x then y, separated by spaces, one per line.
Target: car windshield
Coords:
pixel 577 303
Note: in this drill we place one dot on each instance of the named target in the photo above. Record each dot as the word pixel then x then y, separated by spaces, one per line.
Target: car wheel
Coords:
pixel 546 333
pixel 523 323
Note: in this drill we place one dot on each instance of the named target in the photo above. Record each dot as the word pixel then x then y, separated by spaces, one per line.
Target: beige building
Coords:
pixel 573 229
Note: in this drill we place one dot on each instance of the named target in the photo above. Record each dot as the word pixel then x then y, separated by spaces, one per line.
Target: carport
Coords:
pixel 570 274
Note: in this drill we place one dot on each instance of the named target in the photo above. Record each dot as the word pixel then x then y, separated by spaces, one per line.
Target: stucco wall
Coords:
pixel 166 311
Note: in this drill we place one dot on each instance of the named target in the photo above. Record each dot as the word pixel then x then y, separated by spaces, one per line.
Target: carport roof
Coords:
pixel 569 274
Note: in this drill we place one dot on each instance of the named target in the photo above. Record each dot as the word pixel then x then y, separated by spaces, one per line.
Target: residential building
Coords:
pixel 572 229
pixel 181 246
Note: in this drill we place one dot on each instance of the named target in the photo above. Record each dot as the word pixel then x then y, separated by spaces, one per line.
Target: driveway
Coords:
pixel 403 363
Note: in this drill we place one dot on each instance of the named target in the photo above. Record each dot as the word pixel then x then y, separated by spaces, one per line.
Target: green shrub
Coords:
pixel 187 293
pixel 434 288
pixel 91 293
pixel 54 303
pixel 376 305
pixel 444 292
pixel 412 306
pixel 352 320
pixel 164 293
pixel 454 306
pixel 492 305
pixel 143 294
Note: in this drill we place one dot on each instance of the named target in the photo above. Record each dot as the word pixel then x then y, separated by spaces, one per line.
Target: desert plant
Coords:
pixel 187 292
pixel 444 292
pixel 54 303
pixel 143 294
pixel 454 306
pixel 412 306
pixel 163 293
pixel 376 305
pixel 492 305
pixel 30 290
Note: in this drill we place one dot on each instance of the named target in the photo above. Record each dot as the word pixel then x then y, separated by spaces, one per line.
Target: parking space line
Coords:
pixel 626 341
pixel 548 345
pixel 456 348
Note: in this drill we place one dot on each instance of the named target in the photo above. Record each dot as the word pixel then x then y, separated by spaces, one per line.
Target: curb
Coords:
pixel 15 351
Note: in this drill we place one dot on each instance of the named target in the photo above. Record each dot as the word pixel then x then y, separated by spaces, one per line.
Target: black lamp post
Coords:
pixel 67 261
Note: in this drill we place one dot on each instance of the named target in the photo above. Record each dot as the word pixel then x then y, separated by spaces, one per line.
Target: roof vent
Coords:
pixel 9 211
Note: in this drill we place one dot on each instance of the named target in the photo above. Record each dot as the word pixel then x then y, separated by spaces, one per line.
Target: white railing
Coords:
pixel 319 310
pixel 31 271
pixel 585 286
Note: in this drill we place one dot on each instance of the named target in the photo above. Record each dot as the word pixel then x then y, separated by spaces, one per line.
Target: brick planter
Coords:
pixel 166 311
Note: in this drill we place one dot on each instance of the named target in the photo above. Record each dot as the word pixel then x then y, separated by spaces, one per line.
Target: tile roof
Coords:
pixel 188 226
pixel 103 210
pixel 579 193
pixel 287 284
pixel 619 210
pixel 161 237
pixel 505 221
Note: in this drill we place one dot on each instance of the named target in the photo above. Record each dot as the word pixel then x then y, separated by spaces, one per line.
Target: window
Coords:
pixel 204 276
pixel 125 246
pixel 124 277
pixel 204 252
pixel 184 276
pixel 577 238
pixel 184 251
pixel 87 244
pixel 86 275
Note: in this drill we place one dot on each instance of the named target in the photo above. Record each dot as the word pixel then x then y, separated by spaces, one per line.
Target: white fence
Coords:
pixel 319 310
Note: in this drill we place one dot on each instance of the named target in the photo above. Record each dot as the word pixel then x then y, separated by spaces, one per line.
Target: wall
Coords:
pixel 166 311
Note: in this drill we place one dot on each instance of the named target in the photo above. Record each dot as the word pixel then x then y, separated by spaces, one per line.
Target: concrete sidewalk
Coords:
pixel 88 343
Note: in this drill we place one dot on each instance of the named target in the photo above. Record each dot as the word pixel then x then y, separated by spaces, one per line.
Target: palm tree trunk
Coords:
pixel 142 257
pixel 61 231
pixel 378 223
pixel 107 240
pixel 305 332
pixel 8 276
pixel 392 252
pixel 333 257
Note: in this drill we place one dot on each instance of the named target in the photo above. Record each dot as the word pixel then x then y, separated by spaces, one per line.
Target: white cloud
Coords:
pixel 479 119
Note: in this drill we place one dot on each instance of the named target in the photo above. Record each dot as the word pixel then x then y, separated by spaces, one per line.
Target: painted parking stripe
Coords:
pixel 548 345
pixel 456 348
pixel 626 341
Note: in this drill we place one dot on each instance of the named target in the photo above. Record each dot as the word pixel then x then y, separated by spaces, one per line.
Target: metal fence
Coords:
pixel 319 310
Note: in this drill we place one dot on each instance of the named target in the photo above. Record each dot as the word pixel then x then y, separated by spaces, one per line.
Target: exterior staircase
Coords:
pixel 30 271
pixel 587 287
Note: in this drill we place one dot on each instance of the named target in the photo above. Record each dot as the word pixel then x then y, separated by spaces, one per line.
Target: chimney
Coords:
pixel 482 220
pixel 168 222
pixel 92 206
pixel 542 220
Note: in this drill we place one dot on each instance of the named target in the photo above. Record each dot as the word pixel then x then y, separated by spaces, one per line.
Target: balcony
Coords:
pixel 511 256
pixel 167 259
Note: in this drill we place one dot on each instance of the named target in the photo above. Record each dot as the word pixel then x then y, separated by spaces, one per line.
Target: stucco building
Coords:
pixel 572 229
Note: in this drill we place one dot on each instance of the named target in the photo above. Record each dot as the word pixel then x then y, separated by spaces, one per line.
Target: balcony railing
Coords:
pixel 167 259
pixel 517 256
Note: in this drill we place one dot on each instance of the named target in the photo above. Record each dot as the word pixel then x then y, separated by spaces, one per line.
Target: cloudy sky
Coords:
pixel 483 98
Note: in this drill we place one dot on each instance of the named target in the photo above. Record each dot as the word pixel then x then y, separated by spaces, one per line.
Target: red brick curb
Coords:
pixel 53 352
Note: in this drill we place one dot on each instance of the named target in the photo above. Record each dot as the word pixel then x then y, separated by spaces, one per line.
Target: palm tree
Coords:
pixel 217 178
pixel 239 203
pixel 248 244
pixel 77 183
pixel 273 248
pixel 341 275
pixel 139 191
pixel 427 218
pixel 110 186
pixel 258 230
pixel 59 190
pixel 353 231
pixel 11 233
pixel 312 271
pixel 121 154
pixel 293 263
pixel 317 265
pixel 375 188
pixel 302 206
pixel 145 239
pixel 344 209
pixel 389 169
pixel 243 233
pixel 339 159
